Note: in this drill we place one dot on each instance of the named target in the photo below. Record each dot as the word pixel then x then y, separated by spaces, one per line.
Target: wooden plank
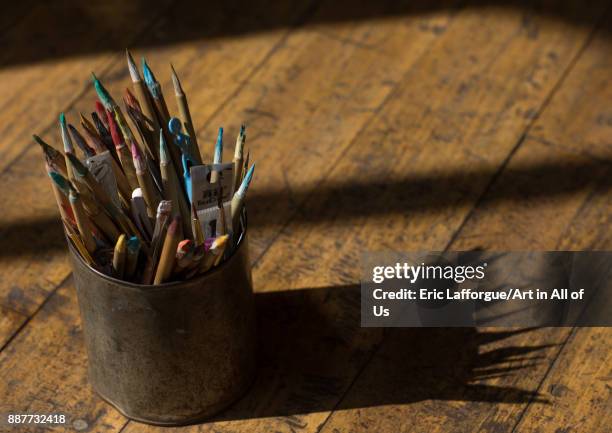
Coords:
pixel 527 208
pixel 334 351
pixel 34 93
pixel 409 180
pixel 580 401
pixel 313 262
pixel 31 239
pixel 577 389
pixel 10 322
pixel 52 376
pixel 312 100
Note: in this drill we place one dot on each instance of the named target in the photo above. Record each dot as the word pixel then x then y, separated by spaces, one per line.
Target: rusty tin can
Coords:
pixel 174 353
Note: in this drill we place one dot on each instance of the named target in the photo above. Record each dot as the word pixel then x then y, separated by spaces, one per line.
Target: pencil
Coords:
pixel 218 157
pixel 171 188
pixel 168 253
pixel 131 261
pixel 141 92
pixel 78 244
pixel 164 213
pixel 55 158
pixel 221 223
pixel 119 256
pixel 238 158
pixel 104 132
pixel 91 135
pixel 196 228
pixel 84 175
pixel 62 201
pixel 215 253
pixel 184 255
pixel 183 106
pixel 145 181
pixel 68 146
pixel 99 219
pixel 155 91
pixel 125 158
pixel 80 142
pixel 83 223
pixel 238 199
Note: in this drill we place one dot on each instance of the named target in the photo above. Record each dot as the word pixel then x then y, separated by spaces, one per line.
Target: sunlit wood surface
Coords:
pixel 375 125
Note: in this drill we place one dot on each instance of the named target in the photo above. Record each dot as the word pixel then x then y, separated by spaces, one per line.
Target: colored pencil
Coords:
pixel 168 253
pixel 185 114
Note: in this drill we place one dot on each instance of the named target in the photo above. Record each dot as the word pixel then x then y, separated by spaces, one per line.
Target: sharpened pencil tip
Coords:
pixel 244 186
pixel 163 149
pixel 133 69
pixel 62 119
pixel 176 83
pixel 60 181
pixel 148 74
pixel 103 94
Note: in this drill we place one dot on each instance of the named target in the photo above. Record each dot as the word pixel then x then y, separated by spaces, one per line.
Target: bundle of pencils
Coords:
pixel 145 207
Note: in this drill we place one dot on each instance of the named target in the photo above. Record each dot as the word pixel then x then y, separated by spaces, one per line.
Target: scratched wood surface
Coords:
pixel 375 125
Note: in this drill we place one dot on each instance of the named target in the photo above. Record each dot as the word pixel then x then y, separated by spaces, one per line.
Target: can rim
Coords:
pixel 169 285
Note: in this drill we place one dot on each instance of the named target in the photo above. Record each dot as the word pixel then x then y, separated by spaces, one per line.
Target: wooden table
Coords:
pixel 375 126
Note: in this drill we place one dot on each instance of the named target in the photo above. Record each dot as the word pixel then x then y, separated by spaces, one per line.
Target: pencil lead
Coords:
pixel 134 73
pixel 178 89
pixel 219 147
pixel 77 165
pixel 68 146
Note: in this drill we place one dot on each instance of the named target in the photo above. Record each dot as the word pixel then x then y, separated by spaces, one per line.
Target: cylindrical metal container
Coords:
pixel 174 353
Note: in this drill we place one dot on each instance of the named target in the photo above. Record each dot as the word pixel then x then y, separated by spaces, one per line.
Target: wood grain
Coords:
pixel 33 249
pixel 50 376
pixel 540 207
pixel 35 93
pixel 304 379
pixel 577 389
pixel 373 134
pixel 10 321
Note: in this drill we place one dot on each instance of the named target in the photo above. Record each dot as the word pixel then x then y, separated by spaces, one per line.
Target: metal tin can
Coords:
pixel 174 353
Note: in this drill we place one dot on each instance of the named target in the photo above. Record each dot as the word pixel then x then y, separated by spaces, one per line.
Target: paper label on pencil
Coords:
pixel 100 167
pixel 205 194
pixel 209 220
